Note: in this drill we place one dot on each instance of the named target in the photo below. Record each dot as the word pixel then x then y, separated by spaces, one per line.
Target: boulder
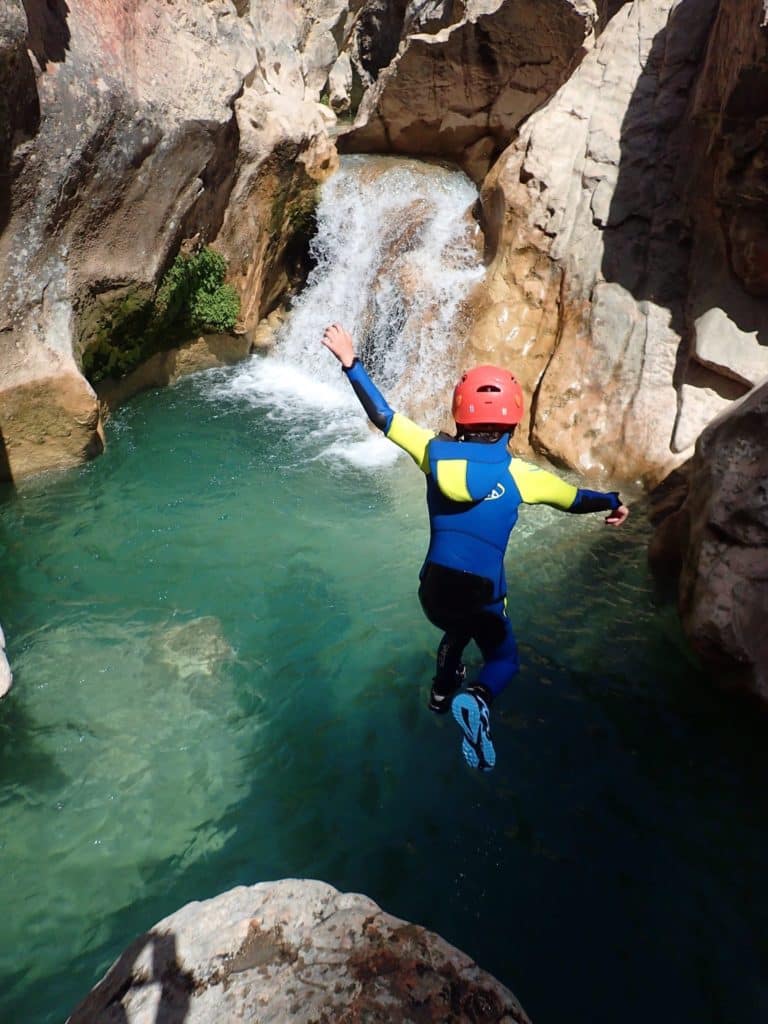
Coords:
pixel 295 951
pixel 721 531
pixel 169 366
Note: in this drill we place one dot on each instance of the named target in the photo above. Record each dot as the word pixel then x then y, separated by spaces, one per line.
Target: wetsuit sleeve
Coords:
pixel 406 434
pixel 540 487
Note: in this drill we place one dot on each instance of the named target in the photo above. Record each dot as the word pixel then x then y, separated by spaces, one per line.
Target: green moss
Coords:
pixel 119 335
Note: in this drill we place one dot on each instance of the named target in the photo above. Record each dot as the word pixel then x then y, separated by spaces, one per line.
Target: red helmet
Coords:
pixel 489 396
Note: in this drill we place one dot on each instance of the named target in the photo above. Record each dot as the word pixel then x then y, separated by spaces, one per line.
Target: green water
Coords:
pixel 220 678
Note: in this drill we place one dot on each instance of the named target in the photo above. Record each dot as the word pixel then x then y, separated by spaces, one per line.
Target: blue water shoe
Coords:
pixel 474 719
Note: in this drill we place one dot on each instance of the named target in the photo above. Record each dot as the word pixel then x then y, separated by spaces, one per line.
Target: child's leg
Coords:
pixel 493 635
pixel 449 672
pixel 449 653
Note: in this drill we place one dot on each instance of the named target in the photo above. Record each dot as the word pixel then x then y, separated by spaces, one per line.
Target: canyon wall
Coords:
pixel 129 129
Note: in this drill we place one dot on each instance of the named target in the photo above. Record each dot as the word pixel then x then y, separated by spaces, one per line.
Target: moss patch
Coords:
pixel 120 333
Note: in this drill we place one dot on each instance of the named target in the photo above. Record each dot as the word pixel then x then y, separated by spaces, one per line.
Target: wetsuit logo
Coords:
pixel 498 492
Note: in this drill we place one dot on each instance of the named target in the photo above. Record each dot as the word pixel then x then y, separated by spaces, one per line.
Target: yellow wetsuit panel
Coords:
pixel 452 479
pixel 411 438
pixel 540 487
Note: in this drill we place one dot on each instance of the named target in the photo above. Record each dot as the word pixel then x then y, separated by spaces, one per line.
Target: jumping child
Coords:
pixel 474 490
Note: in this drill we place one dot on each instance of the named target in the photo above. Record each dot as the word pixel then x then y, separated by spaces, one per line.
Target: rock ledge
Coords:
pixel 294 950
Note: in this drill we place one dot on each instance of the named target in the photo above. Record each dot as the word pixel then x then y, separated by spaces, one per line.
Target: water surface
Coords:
pixel 221 672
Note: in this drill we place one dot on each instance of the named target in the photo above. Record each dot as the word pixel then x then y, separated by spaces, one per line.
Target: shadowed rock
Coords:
pixel 465 77
pixel 718 539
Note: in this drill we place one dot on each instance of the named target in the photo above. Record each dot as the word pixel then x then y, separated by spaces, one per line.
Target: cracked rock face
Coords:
pixel 465 76
pixel 625 230
pixel 295 951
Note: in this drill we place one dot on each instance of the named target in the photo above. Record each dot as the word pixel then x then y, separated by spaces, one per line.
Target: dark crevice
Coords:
pixel 48 31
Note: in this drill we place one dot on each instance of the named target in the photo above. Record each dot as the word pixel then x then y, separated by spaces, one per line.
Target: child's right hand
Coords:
pixel 618 516
pixel 340 342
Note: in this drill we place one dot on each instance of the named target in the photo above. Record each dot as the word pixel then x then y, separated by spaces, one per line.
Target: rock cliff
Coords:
pixel 129 128
pixel 294 951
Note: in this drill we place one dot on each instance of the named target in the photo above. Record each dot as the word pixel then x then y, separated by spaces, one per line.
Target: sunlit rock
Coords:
pixel 295 951
pixel 340 84
pixel 115 145
pixel 728 349
pixel 586 221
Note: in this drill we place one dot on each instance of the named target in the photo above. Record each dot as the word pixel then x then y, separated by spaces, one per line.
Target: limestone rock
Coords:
pixel 731 96
pixel 340 84
pixel 723 345
pixel 295 951
pixel 6 676
pixel 167 367
pixel 49 422
pixel 284 153
pixel 723 534
pixel 120 149
pixel 460 88
pixel 117 148
pixel 586 226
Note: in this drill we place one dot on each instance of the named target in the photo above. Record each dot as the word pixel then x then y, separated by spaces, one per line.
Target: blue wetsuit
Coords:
pixel 474 491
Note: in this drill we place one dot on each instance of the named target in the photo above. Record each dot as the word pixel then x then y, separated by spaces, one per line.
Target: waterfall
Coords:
pixel 395 254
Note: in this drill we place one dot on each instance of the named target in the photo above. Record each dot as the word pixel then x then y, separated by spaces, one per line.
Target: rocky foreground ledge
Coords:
pixel 294 951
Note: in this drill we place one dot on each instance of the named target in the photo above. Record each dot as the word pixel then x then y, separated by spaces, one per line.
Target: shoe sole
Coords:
pixel 477 748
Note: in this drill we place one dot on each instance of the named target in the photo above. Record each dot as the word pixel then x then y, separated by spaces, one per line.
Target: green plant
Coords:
pixel 192 297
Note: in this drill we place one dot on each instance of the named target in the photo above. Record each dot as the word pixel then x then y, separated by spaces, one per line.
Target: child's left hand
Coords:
pixel 340 342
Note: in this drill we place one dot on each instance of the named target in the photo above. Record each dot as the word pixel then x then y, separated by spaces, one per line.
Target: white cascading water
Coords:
pixel 395 256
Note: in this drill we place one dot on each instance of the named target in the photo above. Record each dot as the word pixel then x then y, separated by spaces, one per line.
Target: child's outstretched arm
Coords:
pixel 397 428
pixel 538 486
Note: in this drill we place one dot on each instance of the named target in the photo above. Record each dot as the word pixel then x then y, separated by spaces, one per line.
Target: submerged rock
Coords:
pixel 195 648
pixel 296 951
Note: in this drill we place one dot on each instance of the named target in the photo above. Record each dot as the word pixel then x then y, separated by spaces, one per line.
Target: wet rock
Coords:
pixel 194 648
pixel 6 676
pixel 299 951
pixel 167 367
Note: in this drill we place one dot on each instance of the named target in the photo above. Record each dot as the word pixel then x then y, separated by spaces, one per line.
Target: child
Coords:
pixel 474 489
